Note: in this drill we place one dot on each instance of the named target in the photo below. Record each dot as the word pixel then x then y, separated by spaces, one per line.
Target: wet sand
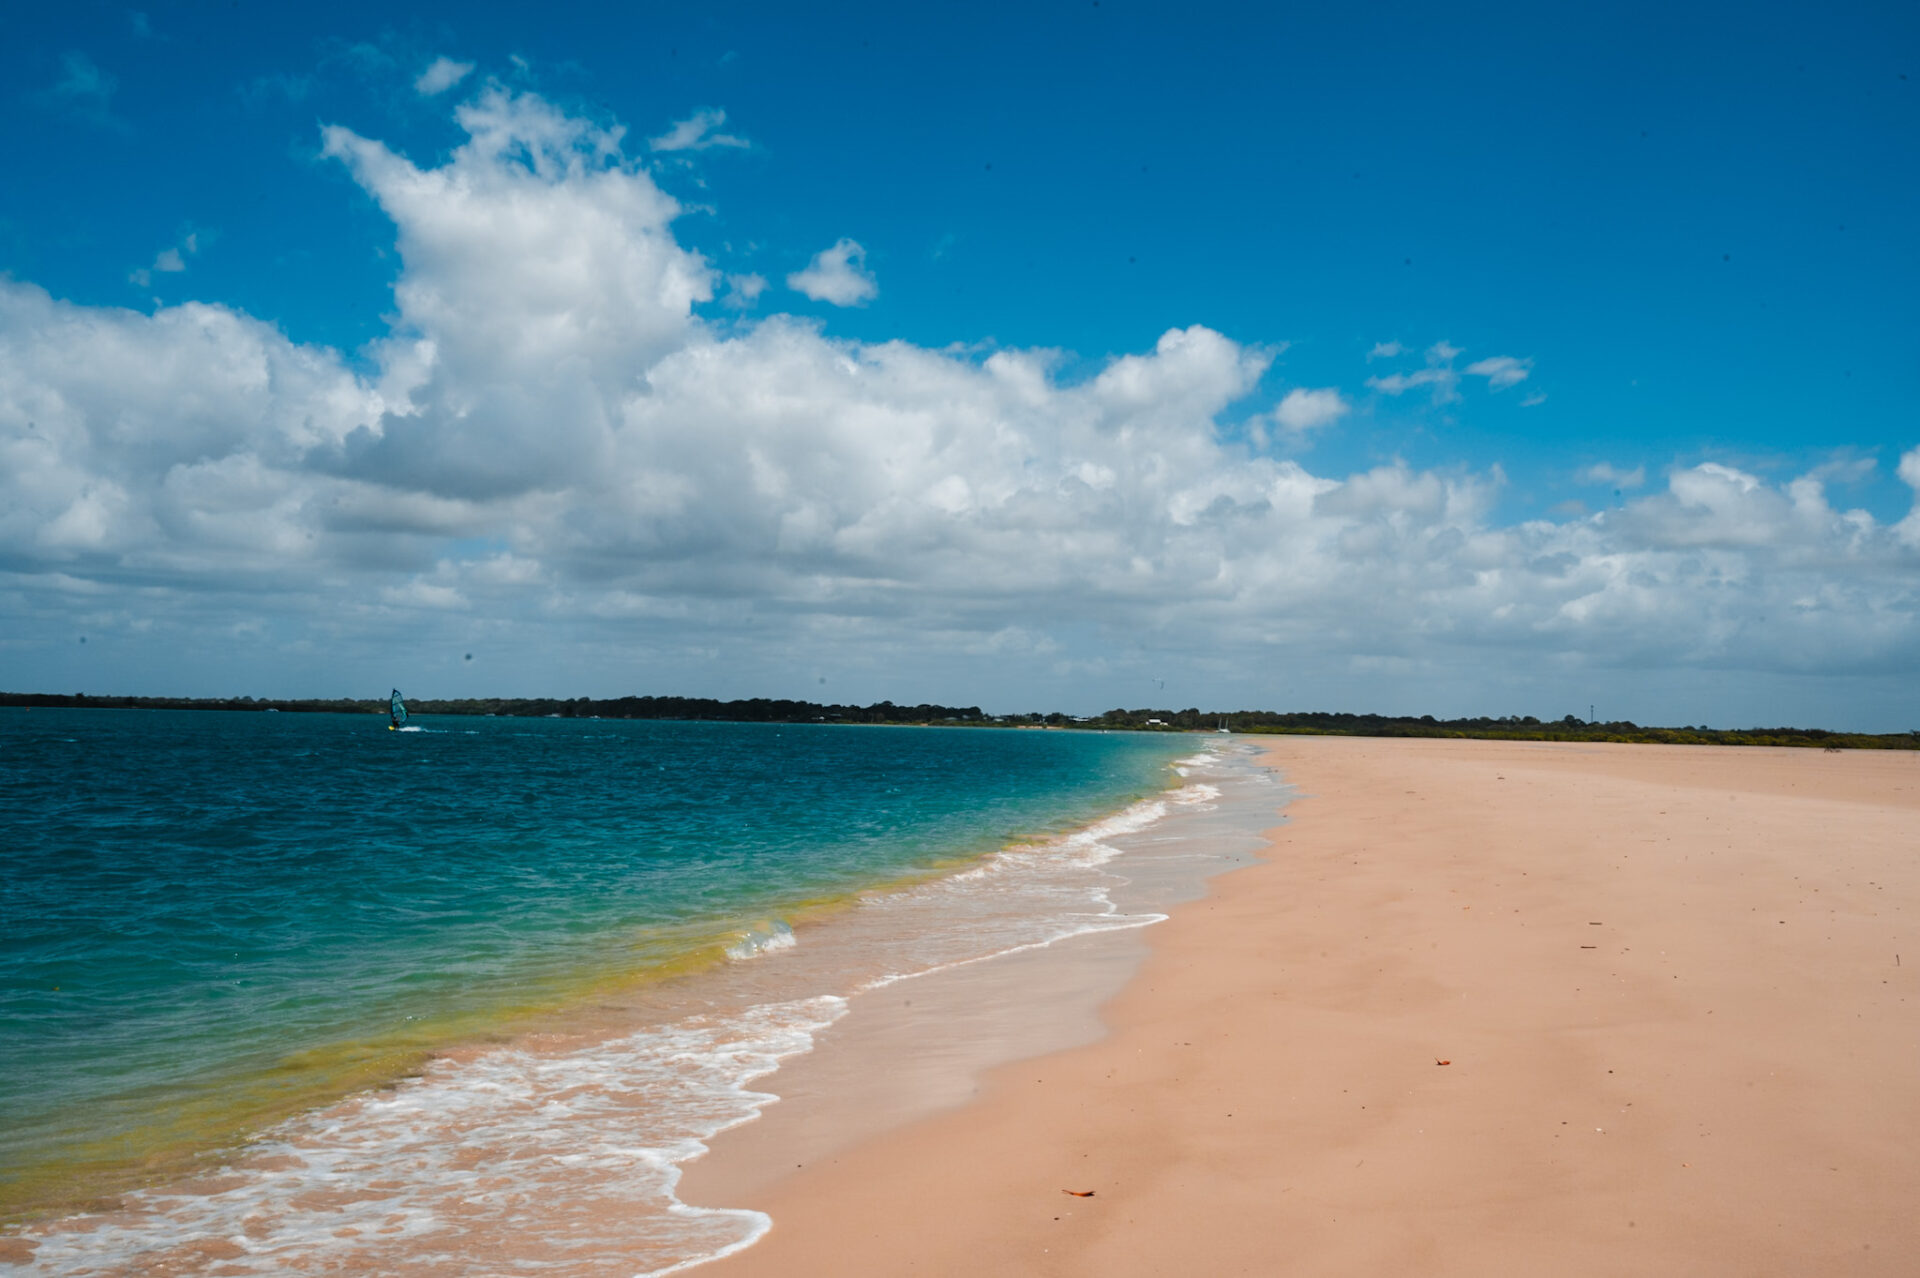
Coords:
pixel 1485 1007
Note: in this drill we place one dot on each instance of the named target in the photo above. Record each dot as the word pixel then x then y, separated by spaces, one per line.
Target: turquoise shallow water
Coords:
pixel 211 919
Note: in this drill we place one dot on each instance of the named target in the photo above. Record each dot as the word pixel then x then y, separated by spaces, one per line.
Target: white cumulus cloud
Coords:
pixel 1304 410
pixel 744 290
pixel 838 275
pixel 546 315
pixel 442 75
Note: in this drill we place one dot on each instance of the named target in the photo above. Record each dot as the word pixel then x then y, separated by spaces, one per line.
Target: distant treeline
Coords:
pixel 1510 728
pixel 81 701
pixel 766 710
pixel 754 710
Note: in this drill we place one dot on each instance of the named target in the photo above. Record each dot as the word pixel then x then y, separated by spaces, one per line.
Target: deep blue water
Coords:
pixel 260 901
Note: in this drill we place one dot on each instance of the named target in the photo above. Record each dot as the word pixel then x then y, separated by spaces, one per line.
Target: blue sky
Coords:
pixel 1582 340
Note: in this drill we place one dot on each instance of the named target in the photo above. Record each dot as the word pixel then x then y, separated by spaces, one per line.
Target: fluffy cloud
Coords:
pixel 1303 410
pixel 838 275
pixel 698 132
pixel 169 447
pixel 551 455
pixel 542 280
pixel 744 290
pixel 1909 470
pixel 441 76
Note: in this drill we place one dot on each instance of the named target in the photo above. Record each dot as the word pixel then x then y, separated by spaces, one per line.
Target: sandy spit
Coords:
pixel 1484 1008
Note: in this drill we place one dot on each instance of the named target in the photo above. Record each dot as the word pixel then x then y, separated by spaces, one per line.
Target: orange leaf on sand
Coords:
pixel 1078 1193
pixel 1438 1061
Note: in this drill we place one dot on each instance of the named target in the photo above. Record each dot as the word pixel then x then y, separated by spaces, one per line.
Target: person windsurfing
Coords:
pixel 397 710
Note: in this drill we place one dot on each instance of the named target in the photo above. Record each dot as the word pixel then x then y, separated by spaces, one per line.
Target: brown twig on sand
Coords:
pixel 1078 1193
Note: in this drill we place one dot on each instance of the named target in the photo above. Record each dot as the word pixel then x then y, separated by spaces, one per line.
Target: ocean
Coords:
pixel 296 993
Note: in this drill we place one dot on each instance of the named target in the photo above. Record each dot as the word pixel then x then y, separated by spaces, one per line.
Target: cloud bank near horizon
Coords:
pixel 552 446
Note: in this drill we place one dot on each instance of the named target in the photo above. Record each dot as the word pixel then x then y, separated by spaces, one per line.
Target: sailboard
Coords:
pixel 398 710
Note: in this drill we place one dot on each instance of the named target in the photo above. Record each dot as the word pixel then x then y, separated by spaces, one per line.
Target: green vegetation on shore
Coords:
pixel 766 710
pixel 754 710
pixel 1510 728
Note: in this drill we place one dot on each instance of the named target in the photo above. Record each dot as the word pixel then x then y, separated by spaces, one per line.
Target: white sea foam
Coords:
pixel 766 939
pixel 1206 756
pixel 518 1160
pixel 1032 896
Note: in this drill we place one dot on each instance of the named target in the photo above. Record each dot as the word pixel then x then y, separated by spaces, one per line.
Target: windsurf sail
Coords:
pixel 398 709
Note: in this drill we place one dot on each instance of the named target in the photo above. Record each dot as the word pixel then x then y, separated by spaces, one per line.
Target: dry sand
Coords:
pixel 1676 992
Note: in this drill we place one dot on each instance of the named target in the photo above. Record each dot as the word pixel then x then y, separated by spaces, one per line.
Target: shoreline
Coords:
pixel 560 1110
pixel 1482 1007
pixel 940 1031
